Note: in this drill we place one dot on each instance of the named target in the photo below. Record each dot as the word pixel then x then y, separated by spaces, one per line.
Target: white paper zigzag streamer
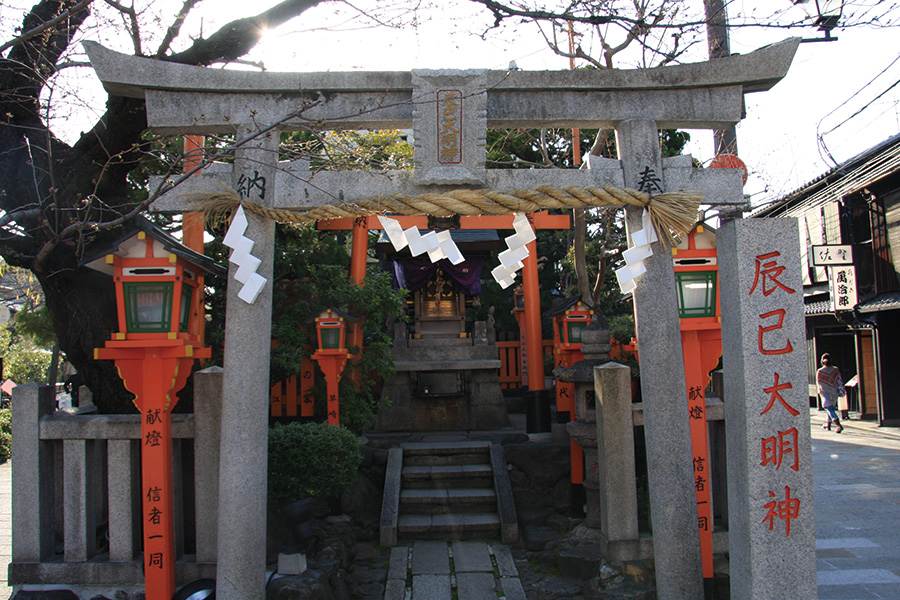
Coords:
pixel 438 245
pixel 240 256
pixel 511 259
pixel 634 268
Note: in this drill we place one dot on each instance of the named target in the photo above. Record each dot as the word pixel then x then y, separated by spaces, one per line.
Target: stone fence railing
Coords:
pixel 615 479
pixel 76 510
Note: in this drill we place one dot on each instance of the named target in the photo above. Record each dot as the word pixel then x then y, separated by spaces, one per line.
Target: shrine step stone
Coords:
pixel 448 491
pixel 450 526
pixel 447 476
pixel 441 500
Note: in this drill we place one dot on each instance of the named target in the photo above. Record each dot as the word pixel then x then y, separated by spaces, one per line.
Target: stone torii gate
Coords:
pixel 450 112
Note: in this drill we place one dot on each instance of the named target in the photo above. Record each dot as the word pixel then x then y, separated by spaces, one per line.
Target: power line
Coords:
pixel 824 152
pixel 872 101
pixel 857 93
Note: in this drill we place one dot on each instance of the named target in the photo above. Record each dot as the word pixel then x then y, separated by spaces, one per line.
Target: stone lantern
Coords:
pixel 583 430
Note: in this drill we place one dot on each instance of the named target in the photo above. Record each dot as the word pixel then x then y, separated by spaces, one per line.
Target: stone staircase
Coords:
pixel 447 491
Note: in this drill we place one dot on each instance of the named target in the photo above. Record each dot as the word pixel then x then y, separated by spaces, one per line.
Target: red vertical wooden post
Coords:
pixel 533 338
pixel 193 226
pixel 155 374
pixel 332 365
pixel 358 256
pixel 158 512
pixel 334 408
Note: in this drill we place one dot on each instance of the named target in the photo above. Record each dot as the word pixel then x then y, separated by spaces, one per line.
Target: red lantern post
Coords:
pixel 701 339
pixel 332 355
pixel 155 278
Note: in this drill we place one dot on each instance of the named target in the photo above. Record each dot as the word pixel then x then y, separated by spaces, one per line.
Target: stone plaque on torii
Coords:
pixel 450 112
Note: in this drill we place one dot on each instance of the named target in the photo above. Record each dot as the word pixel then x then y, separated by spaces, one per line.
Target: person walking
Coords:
pixel 830 386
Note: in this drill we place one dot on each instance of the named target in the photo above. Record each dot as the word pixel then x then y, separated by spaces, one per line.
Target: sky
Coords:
pixel 827 83
pixel 778 139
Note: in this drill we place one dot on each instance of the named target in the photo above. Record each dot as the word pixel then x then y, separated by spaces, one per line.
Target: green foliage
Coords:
pixel 311 275
pixel 522 148
pixel 622 327
pixel 385 149
pixel 23 360
pixel 5 434
pixel 37 324
pixel 300 300
pixel 310 460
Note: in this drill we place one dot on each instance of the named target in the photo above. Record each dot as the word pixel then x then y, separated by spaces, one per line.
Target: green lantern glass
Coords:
pixel 331 338
pixel 148 307
pixel 696 293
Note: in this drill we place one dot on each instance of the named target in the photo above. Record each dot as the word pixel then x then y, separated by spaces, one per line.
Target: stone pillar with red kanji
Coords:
pixel 772 537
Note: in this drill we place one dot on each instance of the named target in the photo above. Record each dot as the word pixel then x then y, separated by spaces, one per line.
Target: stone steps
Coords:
pixel 444 500
pixel 448 476
pixel 450 526
pixel 416 460
pixel 447 491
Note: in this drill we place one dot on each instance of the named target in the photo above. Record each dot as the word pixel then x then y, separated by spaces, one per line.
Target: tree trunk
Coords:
pixel 82 304
pixel 587 292
pixel 581 272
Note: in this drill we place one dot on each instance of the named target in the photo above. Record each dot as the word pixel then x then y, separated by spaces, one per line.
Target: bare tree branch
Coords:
pixel 45 25
pixel 175 27
pixel 134 28
pixel 238 37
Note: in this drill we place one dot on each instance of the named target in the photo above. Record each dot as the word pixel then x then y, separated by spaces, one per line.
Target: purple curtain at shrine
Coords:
pixel 414 273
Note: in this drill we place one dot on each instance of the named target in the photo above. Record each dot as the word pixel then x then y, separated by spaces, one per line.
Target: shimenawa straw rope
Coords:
pixel 672 213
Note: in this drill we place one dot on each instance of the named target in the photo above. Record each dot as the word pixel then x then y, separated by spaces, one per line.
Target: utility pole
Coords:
pixel 717 41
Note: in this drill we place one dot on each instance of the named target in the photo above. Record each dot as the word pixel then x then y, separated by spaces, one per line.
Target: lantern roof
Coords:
pixel 130 245
pixel 565 305
pixel 701 237
pixel 337 313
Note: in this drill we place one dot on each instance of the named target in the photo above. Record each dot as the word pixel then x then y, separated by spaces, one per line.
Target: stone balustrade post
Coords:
pixel 615 447
pixel 32 474
pixel 207 439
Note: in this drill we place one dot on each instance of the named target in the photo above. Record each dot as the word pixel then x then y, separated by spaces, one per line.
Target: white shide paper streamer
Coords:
pixel 246 263
pixel 634 268
pixel 438 245
pixel 511 259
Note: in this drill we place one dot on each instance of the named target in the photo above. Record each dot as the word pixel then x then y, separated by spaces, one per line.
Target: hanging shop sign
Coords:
pixel 842 287
pixel 831 254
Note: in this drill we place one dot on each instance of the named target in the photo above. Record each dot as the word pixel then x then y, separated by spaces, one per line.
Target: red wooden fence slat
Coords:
pixel 291 395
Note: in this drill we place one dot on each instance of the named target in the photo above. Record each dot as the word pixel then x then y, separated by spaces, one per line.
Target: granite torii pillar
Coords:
pixel 245 408
pixel 673 508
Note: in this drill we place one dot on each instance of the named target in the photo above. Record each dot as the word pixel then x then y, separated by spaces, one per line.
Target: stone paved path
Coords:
pixel 857 491
pixel 5 526
pixel 431 570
